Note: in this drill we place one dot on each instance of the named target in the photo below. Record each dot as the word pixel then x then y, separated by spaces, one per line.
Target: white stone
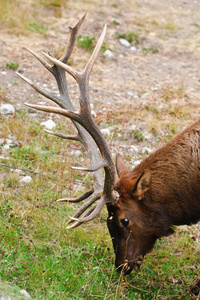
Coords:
pixel 26 180
pixel 136 162
pixel 133 127
pixel 48 124
pixel 7 109
pixel 133 49
pixel 147 149
pixel 24 292
pixel 9 142
pixel 5 147
pixel 77 152
pixel 130 94
pixel 2 297
pixel 134 148
pixel 93 114
pixel 2 141
pixel 108 54
pixel 124 43
pixel 105 132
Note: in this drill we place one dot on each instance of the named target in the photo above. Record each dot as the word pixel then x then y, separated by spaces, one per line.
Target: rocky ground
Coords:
pixel 166 57
pixel 159 69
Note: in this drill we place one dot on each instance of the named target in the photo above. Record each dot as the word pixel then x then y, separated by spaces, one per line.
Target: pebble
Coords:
pixel 147 150
pixel 133 127
pixel 108 54
pixel 134 148
pixel 136 162
pixel 48 124
pixel 133 49
pixel 26 180
pixel 24 292
pixel 2 297
pixel 5 148
pixel 106 132
pixel 76 153
pixel 7 109
pixel 124 43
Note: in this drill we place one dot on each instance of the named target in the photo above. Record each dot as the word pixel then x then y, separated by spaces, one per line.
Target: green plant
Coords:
pixel 86 42
pixel 12 65
pixel 150 50
pixel 55 3
pixel 39 255
pixel 38 28
pixel 139 135
pixel 116 22
pixel 131 37
pixel 104 47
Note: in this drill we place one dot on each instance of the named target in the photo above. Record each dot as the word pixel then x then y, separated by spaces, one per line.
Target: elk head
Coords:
pixel 130 235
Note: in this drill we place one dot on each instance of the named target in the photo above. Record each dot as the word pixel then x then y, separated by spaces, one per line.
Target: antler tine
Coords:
pixel 79 198
pixel 63 66
pixel 74 32
pixel 98 207
pixel 41 60
pixel 50 96
pixel 91 199
pixel 65 136
pixel 78 223
pixel 95 53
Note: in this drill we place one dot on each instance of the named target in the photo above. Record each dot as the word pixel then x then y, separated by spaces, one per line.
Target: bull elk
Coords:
pixel 145 203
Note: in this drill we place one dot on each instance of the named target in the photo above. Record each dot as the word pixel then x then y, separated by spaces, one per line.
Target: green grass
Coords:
pixel 39 255
pixel 131 37
pixel 12 65
pixel 23 17
pixel 86 42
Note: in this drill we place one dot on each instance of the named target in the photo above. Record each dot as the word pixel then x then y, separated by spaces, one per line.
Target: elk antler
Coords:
pixel 88 132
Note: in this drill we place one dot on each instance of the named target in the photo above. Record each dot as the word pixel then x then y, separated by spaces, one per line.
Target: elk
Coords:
pixel 144 204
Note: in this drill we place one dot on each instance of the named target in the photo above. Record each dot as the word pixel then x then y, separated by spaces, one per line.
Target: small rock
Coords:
pixel 133 49
pixel 93 114
pixel 108 54
pixel 134 148
pixel 7 109
pixel 5 148
pixel 124 43
pixel 26 180
pixel 2 297
pixel 130 93
pixel 9 142
pixel 133 127
pixel 24 292
pixel 48 124
pixel 77 153
pixel 136 162
pixel 105 132
pixel 146 150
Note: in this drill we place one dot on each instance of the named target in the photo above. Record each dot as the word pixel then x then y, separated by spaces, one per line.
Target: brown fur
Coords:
pixel 163 191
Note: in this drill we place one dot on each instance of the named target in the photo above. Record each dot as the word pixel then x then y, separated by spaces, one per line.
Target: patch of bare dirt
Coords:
pixel 167 57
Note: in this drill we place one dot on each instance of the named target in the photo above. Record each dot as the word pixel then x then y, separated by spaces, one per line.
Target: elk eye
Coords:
pixel 125 222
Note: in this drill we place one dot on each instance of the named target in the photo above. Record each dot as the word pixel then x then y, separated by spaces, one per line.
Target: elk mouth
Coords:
pixel 128 266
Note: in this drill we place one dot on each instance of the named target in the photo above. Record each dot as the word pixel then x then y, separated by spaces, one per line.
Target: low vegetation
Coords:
pixel 39 255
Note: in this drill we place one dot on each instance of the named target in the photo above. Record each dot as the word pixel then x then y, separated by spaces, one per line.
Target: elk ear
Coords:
pixel 120 165
pixel 143 184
